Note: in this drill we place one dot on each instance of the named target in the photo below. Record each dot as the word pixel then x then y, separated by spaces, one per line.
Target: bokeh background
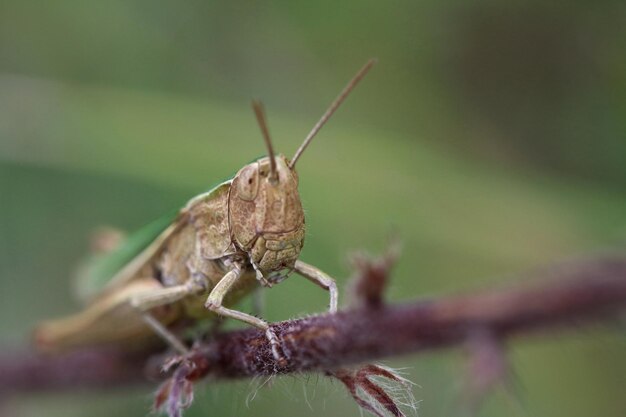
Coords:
pixel 491 136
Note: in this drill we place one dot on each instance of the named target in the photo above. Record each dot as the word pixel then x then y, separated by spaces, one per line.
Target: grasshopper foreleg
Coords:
pixel 214 303
pixel 320 278
pixel 146 301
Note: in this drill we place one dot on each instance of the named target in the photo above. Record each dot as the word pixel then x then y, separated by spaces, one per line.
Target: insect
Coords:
pixel 244 233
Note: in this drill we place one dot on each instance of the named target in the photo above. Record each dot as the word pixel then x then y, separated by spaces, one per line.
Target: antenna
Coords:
pixel 257 106
pixel 331 109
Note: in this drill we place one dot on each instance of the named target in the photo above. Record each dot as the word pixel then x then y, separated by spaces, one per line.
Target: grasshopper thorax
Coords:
pixel 266 216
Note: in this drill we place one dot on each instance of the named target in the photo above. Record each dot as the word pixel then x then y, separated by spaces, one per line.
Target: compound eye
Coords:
pixel 248 185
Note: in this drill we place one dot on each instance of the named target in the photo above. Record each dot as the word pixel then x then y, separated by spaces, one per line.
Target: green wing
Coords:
pixel 100 269
pixel 105 271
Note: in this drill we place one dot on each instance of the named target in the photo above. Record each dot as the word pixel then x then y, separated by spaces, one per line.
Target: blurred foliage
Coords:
pixel 491 136
pixel 528 82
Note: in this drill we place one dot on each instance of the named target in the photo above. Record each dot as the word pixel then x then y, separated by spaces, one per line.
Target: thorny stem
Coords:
pixel 588 291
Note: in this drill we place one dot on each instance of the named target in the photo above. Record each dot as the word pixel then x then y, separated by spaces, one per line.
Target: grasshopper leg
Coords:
pixel 214 303
pixel 320 278
pixel 165 334
pixel 146 301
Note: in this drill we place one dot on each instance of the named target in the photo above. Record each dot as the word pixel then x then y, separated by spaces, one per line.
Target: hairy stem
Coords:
pixel 582 292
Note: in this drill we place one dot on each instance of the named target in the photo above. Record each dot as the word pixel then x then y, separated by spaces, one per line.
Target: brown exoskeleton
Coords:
pixel 221 245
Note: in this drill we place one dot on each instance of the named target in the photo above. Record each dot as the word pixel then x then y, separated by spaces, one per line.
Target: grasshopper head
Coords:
pixel 266 216
pixel 265 213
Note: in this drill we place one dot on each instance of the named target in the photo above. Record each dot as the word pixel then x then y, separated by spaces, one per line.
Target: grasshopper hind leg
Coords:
pixel 144 302
pixel 164 333
pixel 109 320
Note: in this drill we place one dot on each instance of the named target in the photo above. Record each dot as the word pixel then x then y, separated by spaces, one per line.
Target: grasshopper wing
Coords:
pixel 99 271
pixel 124 264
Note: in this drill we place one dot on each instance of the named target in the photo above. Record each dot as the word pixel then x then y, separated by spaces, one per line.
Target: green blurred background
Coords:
pixel 491 135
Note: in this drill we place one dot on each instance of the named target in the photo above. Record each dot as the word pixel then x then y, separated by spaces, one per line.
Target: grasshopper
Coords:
pixel 245 233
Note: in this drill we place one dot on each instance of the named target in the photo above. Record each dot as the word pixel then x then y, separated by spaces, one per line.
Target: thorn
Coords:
pixel 368 285
pixel 368 388
pixel 176 393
